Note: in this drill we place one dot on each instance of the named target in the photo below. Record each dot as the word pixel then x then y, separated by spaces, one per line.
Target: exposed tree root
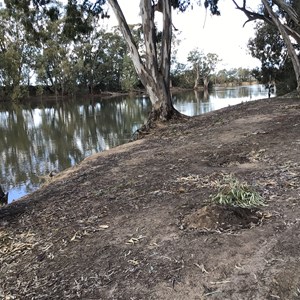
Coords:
pixel 157 116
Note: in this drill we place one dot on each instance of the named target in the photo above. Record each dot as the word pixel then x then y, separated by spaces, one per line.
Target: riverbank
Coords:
pixel 33 98
pixel 136 222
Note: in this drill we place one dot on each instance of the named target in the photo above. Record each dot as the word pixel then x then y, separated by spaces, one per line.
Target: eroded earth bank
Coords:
pixel 136 222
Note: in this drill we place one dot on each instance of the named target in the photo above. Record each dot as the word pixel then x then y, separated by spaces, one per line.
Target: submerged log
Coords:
pixel 3 197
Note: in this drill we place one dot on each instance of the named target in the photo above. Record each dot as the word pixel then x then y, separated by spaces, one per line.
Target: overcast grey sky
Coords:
pixel 223 35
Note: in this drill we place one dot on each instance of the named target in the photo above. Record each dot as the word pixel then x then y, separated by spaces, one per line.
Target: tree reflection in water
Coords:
pixel 38 140
pixel 46 137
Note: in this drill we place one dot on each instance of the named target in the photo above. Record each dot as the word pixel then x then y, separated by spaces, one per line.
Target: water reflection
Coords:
pixel 36 140
pixel 201 102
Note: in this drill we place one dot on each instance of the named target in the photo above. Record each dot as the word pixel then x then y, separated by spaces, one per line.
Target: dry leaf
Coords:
pixel 104 226
pixel 133 262
pixel 74 237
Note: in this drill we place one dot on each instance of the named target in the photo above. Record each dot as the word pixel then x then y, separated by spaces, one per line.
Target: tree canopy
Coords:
pixel 151 60
pixel 269 47
pixel 284 17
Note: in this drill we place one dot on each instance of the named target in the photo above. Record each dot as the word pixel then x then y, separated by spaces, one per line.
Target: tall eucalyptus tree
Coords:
pixel 16 56
pixel 203 66
pixel 285 17
pixel 52 62
pixel 153 69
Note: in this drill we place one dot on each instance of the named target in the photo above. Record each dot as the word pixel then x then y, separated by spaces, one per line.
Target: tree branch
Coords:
pixel 252 16
pixel 288 9
pixel 147 13
pixel 166 40
pixel 290 48
pixel 136 58
pixel 292 33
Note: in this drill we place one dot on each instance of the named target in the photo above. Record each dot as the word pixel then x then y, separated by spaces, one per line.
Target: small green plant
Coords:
pixel 234 193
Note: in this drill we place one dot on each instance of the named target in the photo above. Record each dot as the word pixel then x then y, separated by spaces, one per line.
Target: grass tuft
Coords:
pixel 234 193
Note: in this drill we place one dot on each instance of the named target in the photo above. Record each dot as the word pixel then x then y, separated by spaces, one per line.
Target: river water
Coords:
pixel 38 139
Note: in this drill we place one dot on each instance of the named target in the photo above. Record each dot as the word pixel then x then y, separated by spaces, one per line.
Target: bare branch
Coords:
pixel 252 16
pixel 293 33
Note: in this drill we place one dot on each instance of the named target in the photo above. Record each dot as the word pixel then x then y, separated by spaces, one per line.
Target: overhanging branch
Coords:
pixel 251 15
pixel 133 49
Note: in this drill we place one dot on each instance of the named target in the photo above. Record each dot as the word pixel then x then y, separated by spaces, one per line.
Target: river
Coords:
pixel 41 138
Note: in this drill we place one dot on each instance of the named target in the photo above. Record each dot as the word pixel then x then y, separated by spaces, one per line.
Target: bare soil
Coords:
pixel 137 222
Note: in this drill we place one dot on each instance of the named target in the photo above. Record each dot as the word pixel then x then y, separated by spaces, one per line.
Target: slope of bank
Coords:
pixel 136 222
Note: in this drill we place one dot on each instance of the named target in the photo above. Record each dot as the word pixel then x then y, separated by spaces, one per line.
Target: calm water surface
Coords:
pixel 42 138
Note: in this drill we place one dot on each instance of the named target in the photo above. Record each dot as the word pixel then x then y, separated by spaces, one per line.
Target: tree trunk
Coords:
pixel 196 85
pixel 284 29
pixel 290 48
pixel 154 70
pixel 205 82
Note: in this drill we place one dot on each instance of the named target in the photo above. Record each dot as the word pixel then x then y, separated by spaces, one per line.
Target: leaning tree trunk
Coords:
pixel 290 48
pixel 154 70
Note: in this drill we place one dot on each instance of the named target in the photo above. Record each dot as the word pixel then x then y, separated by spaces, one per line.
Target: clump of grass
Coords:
pixel 234 193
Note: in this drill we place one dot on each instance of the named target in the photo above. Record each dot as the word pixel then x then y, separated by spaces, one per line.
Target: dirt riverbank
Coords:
pixel 136 222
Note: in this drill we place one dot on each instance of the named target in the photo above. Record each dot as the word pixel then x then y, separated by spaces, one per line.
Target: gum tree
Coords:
pixel 16 56
pixel 284 16
pixel 204 65
pixel 153 68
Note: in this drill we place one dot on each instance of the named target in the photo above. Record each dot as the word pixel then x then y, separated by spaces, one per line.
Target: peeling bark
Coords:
pixel 154 71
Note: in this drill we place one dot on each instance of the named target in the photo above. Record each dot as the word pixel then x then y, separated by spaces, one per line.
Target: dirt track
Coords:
pixel 136 222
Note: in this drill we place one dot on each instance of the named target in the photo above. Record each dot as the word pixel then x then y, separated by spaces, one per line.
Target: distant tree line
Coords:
pixel 44 53
pixel 57 62
pixel 49 60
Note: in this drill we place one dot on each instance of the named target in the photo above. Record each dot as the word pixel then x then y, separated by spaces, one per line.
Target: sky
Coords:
pixel 223 35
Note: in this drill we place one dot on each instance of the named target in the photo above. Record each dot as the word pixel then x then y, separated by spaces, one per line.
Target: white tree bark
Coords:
pixel 135 56
pixel 153 71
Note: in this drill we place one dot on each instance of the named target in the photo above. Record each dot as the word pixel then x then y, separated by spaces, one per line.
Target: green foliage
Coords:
pixel 182 76
pixel 202 65
pixel 129 78
pixel 182 5
pixel 39 90
pixel 213 6
pixel 16 56
pixel 19 92
pixel 61 46
pixel 234 193
pixel 76 22
pixel 269 47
